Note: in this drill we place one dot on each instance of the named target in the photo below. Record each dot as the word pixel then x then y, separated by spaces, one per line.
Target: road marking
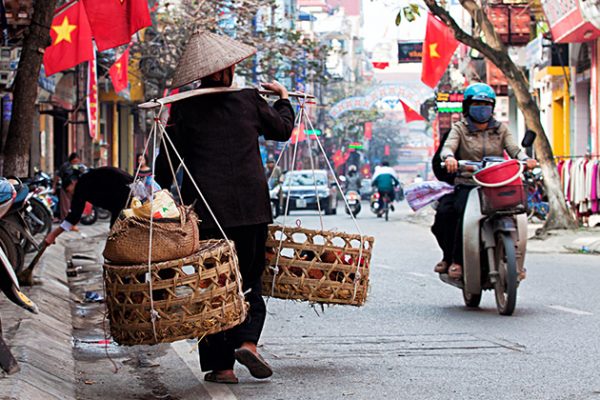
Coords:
pixel 383 266
pixel 420 275
pixel 216 391
pixel 570 310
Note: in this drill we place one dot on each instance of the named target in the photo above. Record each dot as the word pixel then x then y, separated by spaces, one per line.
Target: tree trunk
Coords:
pixel 20 131
pixel 559 216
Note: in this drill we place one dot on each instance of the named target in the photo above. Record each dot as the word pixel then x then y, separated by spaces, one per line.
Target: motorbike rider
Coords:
pixel 273 173
pixel 353 181
pixel 475 136
pixel 386 182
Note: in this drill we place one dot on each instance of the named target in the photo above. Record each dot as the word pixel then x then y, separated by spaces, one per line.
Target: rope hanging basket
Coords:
pixel 317 265
pixel 192 297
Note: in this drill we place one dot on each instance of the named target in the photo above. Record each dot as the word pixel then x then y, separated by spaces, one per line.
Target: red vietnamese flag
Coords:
pixel 411 115
pixel 438 48
pixel 71 39
pixel 118 72
pixel 298 134
pixel 113 22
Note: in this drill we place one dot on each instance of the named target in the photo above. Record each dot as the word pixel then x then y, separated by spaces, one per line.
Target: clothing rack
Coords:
pixel 584 156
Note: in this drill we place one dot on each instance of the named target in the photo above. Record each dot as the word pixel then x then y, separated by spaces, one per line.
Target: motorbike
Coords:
pixel 494 234
pixel 537 201
pixel 90 214
pixel 9 284
pixel 15 222
pixel 38 211
pixel 377 208
pixel 9 254
pixel 354 206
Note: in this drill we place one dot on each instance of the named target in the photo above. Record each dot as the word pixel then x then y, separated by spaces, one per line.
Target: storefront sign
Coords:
pixel 47 83
pixel 567 23
pixel 449 102
pixel 590 9
pixel 410 52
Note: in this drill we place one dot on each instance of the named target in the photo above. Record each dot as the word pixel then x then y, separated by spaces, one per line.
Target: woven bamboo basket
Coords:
pixel 317 266
pixel 128 240
pixel 193 296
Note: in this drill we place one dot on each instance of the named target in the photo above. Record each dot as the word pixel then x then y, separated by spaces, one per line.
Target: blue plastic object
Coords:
pixel 480 91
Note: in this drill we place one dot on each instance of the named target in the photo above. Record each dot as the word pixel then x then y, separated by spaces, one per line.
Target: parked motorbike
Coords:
pixel 39 212
pixel 9 284
pixel 494 234
pixel 537 202
pixel 9 252
pixel 90 214
pixel 354 206
pixel 15 222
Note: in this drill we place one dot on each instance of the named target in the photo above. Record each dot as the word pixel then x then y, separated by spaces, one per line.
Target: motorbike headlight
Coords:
pixel 323 193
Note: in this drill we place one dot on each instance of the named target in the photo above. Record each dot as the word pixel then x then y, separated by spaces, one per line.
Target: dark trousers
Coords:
pixel 447 226
pixel 391 194
pixel 217 351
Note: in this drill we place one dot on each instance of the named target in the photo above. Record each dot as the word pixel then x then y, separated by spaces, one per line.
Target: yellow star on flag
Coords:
pixel 63 31
pixel 433 51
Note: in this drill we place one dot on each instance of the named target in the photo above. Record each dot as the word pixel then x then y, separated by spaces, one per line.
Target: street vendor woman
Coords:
pixel 104 187
pixel 217 136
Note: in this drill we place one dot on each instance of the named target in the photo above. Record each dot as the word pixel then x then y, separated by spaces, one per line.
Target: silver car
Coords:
pixel 305 188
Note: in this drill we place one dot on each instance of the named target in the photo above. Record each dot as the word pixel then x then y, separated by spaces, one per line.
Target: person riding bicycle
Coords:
pixel 476 136
pixel 386 182
pixel 353 181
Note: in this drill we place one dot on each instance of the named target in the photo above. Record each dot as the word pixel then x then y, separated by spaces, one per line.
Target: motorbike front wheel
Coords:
pixel 43 221
pixel 471 300
pixel 506 283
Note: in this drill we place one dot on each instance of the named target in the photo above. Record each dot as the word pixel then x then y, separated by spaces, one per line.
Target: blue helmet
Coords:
pixel 480 91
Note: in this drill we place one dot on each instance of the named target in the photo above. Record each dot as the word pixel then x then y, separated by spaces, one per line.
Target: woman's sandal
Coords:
pixel 257 365
pixel 220 378
pixel 441 267
pixel 455 271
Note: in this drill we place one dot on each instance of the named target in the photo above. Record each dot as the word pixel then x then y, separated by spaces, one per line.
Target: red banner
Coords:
pixel 92 99
pixel 368 130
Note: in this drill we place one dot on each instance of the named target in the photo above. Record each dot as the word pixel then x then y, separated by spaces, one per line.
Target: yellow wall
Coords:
pixel 561 108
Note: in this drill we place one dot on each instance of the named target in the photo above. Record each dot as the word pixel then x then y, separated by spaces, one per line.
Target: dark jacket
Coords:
pixel 217 136
pixel 104 187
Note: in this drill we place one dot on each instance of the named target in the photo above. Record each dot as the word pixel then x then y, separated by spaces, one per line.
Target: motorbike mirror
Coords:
pixel 529 138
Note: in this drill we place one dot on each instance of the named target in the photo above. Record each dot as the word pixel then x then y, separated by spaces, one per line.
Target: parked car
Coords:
pixel 304 195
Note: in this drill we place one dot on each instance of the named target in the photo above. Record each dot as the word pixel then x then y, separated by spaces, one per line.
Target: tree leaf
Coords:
pixel 408 14
pixel 415 9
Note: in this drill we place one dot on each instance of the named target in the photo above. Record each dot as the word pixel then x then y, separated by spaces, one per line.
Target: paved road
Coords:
pixel 412 340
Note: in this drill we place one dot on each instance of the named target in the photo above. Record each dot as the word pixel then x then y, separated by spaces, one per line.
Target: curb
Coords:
pixel 42 343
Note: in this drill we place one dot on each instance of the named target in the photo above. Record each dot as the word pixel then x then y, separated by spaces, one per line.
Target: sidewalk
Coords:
pixel 43 343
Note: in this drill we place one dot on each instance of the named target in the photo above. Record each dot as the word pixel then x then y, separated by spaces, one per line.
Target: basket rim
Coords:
pixel 212 245
pixel 357 236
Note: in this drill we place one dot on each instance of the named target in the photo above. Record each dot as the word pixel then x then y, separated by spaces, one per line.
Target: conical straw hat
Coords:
pixel 207 53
